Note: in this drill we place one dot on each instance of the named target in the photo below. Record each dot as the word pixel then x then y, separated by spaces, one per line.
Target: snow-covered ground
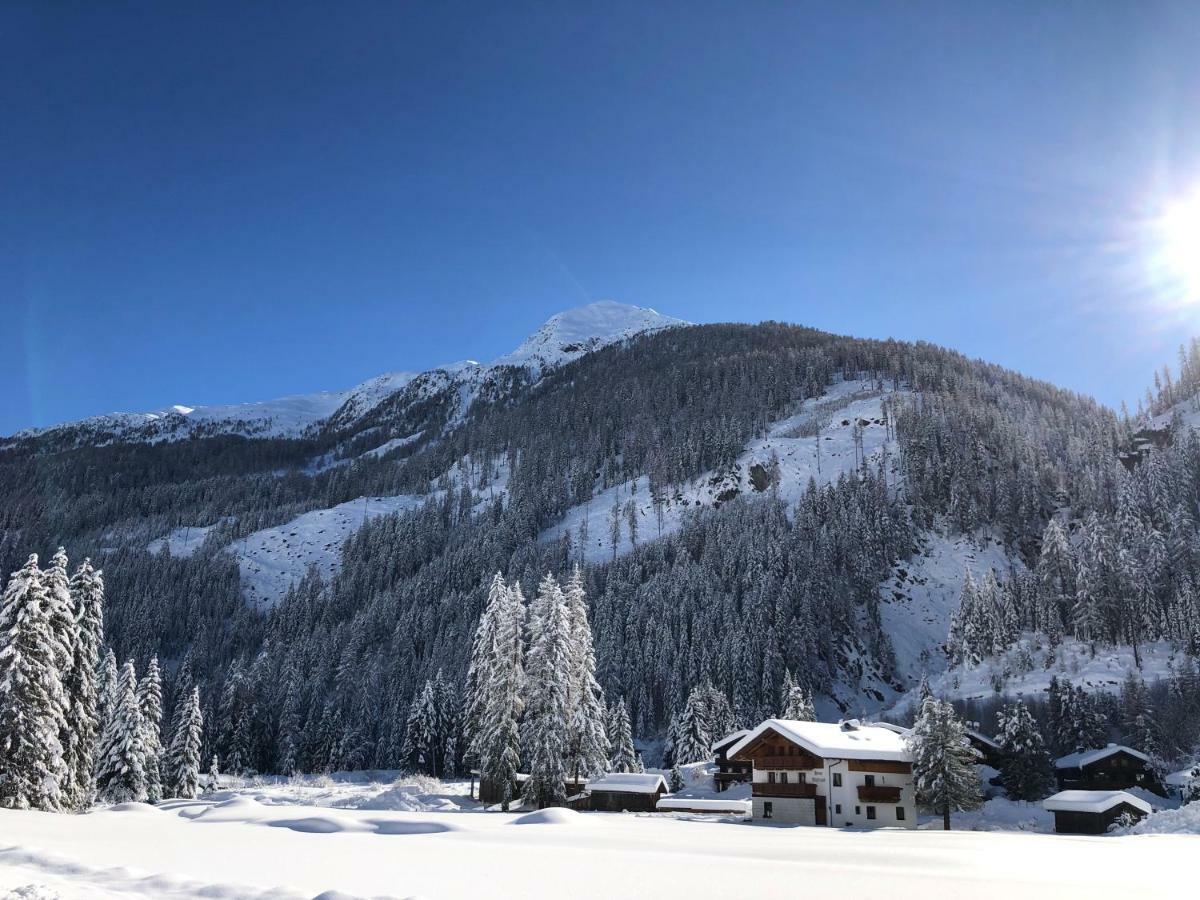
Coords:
pixel 923 593
pixel 256 843
pixel 273 560
pixel 183 541
pixel 821 457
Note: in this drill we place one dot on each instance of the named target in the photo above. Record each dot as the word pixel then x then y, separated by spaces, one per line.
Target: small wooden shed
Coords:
pixel 626 792
pixel 1092 812
pixel 1110 768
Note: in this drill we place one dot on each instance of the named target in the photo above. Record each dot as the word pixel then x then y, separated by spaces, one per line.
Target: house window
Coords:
pixel 899 813
pixel 770 778
pixel 837 779
pixel 783 777
pixel 837 808
pixel 768 810
pixel 870 812
pixel 858 810
pixel 869 780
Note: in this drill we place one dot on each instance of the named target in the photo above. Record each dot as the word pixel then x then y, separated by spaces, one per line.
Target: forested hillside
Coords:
pixel 766 579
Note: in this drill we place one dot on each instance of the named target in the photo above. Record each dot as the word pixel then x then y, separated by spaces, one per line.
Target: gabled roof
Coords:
pixel 1182 778
pixel 628 783
pixel 1087 757
pixel 982 738
pixel 729 739
pixel 834 740
pixel 1093 801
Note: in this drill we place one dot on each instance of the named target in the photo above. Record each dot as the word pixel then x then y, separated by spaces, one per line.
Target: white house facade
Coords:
pixel 836 774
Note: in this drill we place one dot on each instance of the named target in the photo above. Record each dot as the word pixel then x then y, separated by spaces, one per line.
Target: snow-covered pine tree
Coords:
pixel 625 757
pixel 479 674
pixel 943 761
pixel 149 695
pixel 33 773
pixel 1025 765
pixel 60 611
pixel 82 686
pixel 121 764
pixel 547 724
pixel 695 741
pixel 445 725
pixel 420 732
pixel 499 744
pixel 183 756
pixel 797 704
pixel 588 739
pixel 675 781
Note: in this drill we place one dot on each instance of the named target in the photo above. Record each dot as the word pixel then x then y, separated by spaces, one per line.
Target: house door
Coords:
pixel 822 813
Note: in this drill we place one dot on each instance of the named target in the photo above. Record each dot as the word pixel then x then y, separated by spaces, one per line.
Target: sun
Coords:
pixel 1180 233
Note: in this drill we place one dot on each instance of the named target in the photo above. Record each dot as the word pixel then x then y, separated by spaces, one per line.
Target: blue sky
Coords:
pixel 234 202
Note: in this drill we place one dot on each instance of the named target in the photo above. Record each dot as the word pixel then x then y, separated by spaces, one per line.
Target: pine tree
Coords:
pixel 420 732
pixel 695 740
pixel 943 761
pixel 60 610
pixel 676 782
pixel 499 742
pixel 1025 765
pixel 149 695
pixel 625 757
pixel 797 704
pixel 588 740
pixel 121 770
pixel 82 685
pixel 183 756
pixel 33 773
pixel 479 670
pixel 547 723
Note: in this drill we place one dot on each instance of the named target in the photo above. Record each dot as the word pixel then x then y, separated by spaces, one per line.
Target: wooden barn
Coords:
pixel 730 771
pixel 1092 812
pixel 490 793
pixel 625 792
pixel 988 749
pixel 1112 768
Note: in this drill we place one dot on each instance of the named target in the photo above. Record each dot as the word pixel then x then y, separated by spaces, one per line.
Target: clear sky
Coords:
pixel 230 202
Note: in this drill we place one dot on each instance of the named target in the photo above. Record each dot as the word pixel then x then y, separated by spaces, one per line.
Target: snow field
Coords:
pixel 246 849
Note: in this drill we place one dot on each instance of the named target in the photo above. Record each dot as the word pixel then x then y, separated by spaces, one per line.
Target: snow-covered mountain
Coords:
pixel 564 337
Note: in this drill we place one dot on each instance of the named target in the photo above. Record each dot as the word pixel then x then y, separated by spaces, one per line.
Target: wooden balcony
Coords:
pixel 878 794
pixel 799 763
pixel 792 789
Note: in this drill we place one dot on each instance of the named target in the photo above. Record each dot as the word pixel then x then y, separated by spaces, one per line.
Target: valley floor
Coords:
pixel 285 842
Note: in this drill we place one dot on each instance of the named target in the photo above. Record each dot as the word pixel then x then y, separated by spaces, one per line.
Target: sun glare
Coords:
pixel 1180 227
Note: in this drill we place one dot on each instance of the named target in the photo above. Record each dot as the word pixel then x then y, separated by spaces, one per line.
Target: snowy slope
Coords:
pixel 823 457
pixel 564 337
pixel 275 559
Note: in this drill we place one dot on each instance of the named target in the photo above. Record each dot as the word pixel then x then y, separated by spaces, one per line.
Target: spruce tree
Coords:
pixel 499 744
pixel 797 704
pixel 149 694
pixel 588 740
pixel 82 686
pixel 183 756
pixel 625 757
pixel 60 610
pixel 479 671
pixel 1025 768
pixel 547 723
pixel 943 761
pixel 33 773
pixel 121 766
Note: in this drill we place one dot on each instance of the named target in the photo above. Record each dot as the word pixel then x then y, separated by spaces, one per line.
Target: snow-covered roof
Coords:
pixel 982 738
pixel 628 783
pixel 1182 778
pixel 740 733
pixel 1087 757
pixel 1093 801
pixel 897 729
pixel 835 740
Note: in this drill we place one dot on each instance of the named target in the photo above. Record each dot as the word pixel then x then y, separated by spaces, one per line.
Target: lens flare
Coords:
pixel 1179 228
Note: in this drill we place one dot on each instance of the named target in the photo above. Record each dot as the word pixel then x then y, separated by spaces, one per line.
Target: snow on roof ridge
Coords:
pixel 1093 801
pixel 832 740
pixel 1085 757
pixel 630 782
pixel 741 732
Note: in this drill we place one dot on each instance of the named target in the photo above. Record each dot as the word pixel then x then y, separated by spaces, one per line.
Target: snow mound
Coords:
pixel 555 815
pixel 1185 820
pixel 313 825
pixel 31 892
pixel 139 808
pixel 402 826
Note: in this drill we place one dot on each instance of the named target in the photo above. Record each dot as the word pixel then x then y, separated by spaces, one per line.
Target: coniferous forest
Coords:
pixel 751 607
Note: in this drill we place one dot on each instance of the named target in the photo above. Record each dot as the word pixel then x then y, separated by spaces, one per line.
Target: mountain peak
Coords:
pixel 570 334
